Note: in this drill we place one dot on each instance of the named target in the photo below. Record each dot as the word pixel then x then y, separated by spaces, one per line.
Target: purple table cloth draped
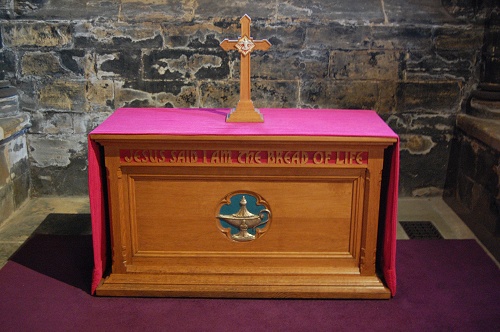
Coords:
pixel 278 122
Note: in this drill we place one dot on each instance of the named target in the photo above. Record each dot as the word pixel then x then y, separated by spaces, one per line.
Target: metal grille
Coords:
pixel 421 230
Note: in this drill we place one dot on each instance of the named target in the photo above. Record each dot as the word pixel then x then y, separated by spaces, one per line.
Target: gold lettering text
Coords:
pixel 271 159
pixel 249 157
pixel 305 157
pixel 129 159
pixel 153 156
pixel 137 156
pixel 215 158
pixel 318 157
pixel 328 156
pixel 225 156
pixel 279 157
pixel 359 158
pixel 173 158
pixel 337 160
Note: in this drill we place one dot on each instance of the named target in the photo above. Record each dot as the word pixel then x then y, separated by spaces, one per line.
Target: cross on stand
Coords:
pixel 245 111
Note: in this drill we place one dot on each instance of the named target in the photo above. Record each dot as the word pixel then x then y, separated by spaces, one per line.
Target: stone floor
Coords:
pixel 28 220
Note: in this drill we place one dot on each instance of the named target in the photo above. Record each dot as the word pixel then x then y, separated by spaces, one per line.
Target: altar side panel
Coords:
pixel 179 215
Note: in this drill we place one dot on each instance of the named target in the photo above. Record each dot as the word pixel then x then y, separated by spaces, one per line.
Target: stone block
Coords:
pixel 17 151
pixel 458 37
pixel 289 65
pixel 46 34
pixel 352 11
pixel 482 205
pixel 339 94
pixel 382 65
pixel 4 166
pixel 284 36
pixel 28 95
pixel 130 97
pixel 416 12
pixel 423 173
pixel 435 96
pixel 100 94
pixel 73 61
pixel 55 151
pixel 487 169
pixel 336 36
pixel 492 74
pixel 70 180
pixel 207 9
pixel 421 133
pixel 177 64
pixel 41 64
pixel 50 122
pixel 6 202
pixel 158 10
pixel 6 9
pixel 187 97
pixel 431 124
pixel 156 94
pixel 386 102
pixel 492 39
pixel 275 94
pixel 195 35
pixel 63 95
pixel 7 64
pixel 401 37
pixel 84 123
pixel 219 94
pixel 265 94
pixel 6 89
pixel 65 9
pixel 58 164
pixel 453 65
pixel 21 182
pixel 463 8
pixel 467 158
pixel 425 143
pixel 14 173
pixel 416 144
pixel 154 87
pixel 121 64
pixel 198 40
pixel 9 106
pixel 464 190
pixel 117 36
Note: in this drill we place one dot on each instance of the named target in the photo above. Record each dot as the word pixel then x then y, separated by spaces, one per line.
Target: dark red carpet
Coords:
pixel 443 285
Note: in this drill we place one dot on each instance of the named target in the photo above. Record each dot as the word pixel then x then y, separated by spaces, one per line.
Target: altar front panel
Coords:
pixel 165 194
pixel 173 219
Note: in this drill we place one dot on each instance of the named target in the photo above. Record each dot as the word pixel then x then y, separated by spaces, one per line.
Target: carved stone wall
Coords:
pixel 75 61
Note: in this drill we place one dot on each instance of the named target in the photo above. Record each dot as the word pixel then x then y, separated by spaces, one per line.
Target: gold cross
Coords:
pixel 245 111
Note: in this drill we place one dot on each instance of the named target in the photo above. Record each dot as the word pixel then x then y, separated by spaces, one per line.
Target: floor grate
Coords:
pixel 421 230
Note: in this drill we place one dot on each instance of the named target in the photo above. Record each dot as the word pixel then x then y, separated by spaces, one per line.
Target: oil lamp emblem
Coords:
pixel 243 225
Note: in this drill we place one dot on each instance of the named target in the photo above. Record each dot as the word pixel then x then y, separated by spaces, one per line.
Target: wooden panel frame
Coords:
pixel 191 273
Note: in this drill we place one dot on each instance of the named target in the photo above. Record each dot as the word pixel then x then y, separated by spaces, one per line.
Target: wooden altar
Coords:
pixel 168 184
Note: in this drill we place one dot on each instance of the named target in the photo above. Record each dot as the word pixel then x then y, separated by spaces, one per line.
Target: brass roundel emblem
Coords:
pixel 243 216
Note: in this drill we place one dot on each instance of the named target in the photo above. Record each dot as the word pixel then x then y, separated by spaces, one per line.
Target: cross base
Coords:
pixel 245 112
